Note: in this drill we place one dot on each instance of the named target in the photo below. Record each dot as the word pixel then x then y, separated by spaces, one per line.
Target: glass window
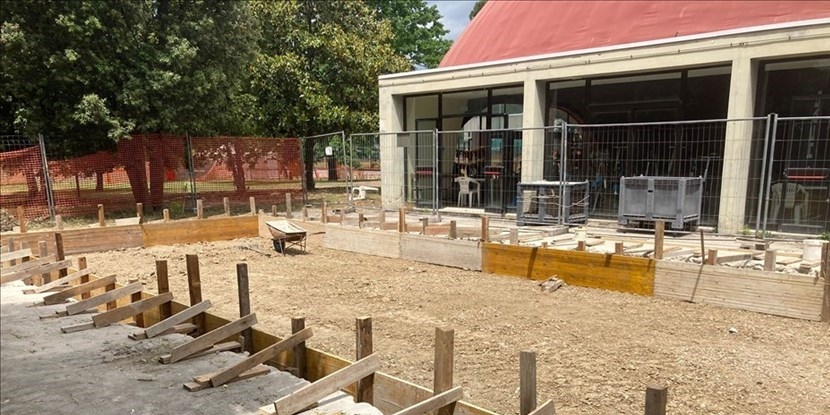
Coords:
pixel 420 108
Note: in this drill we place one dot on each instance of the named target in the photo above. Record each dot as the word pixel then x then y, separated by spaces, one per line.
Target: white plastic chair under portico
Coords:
pixel 468 187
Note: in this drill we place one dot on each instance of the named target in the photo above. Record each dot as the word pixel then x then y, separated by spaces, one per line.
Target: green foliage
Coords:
pixel 477 8
pixel 418 31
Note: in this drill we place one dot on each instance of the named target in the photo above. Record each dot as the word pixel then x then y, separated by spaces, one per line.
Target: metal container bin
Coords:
pixel 538 202
pixel 650 198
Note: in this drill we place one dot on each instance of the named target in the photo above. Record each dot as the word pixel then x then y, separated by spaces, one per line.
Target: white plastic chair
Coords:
pixel 468 187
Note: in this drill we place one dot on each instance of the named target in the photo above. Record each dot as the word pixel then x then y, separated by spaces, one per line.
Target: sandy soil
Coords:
pixel 596 350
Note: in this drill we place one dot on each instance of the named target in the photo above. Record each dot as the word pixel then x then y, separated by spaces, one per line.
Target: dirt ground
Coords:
pixel 596 350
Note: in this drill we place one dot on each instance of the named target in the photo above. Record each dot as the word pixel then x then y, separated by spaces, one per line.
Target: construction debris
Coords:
pixel 552 284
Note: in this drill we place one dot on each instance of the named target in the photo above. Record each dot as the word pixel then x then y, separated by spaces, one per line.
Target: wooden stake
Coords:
pixel 274 210
pixel 163 284
pixel 34 279
pixel 769 260
pixel 580 246
pixel 712 258
pixel 363 348
pixel 305 213
pixel 656 400
pixel 59 255
pixel 134 298
pixel 382 217
pixel 360 220
pixel 443 365
pixel 289 212
pixel 252 201
pixel 194 285
pixel 227 205
pixel 102 221
pixel 324 213
pixel 514 236
pixel 43 252
pixel 401 220
pixel 544 245
pixel 619 248
pixel 485 229
pixel 112 305
pixel 59 222
pixel 527 382
pixel 659 230
pixel 424 225
pixel 21 218
pixel 12 248
pixel 342 216
pixel 244 304
pixel 453 230
pixel 166 213
pixel 297 325
pixel 84 278
pixel 139 211
pixel 200 209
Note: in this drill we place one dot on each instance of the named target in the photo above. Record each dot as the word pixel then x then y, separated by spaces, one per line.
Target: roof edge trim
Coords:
pixel 655 42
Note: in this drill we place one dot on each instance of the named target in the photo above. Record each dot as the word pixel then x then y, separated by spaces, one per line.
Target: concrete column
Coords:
pixel 736 152
pixel 391 156
pixel 533 141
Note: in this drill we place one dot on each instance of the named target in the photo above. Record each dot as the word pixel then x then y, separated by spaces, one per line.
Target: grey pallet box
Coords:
pixel 650 198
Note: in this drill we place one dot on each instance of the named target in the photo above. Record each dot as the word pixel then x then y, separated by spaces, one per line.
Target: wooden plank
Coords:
pixel 185 328
pixel 11 256
pixel 221 347
pixel 207 230
pixel 546 408
pixel 364 241
pixel 364 348
pixel 200 383
pixel 163 286
pixel 585 269
pixel 206 340
pixel 130 310
pixel 244 300
pixel 311 394
pixel 659 229
pixel 448 252
pixel 176 319
pixel 104 298
pixel 194 288
pixel 300 361
pixel 656 400
pixel 527 382
pixel 77 327
pixel 438 401
pixel 258 358
pixel 65 280
pixel 35 271
pixel 80 241
pixel 70 292
pixel 28 265
pixel 443 364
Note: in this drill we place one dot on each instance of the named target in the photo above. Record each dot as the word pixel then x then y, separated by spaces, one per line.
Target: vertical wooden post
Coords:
pixel 360 220
pixel 824 271
pixel 85 278
pixel 226 203
pixel 59 255
pixel 453 229
pixel 656 399
pixel 580 246
pixel 424 225
pixel 43 251
pixel 514 236
pixel 139 211
pixel 342 216
pixel 401 220
pixel 102 220
pixel 297 324
pixel 289 212
pixel 21 219
pixel 712 258
pixel 136 297
pixel 305 213
pixel 381 218
pixel 659 231
pixel 527 382
pixel 485 229
pixel 166 213
pixel 544 245
pixel 112 305
pixel 12 248
pixel 274 210
pixel 163 283
pixel 769 260
pixel 194 285
pixel 59 222
pixel 443 369
pixel 363 348
pixel 33 280
pixel 200 209
pixel 324 214
pixel 244 304
pixel 252 201
pixel 619 248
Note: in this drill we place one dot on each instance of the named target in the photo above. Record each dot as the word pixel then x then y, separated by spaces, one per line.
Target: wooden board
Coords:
pixel 214 336
pixel 205 230
pixel 11 256
pixel 185 328
pixel 436 402
pixel 199 382
pixel 311 394
pixel 221 347
pixel 65 280
pixel 79 241
pixel 452 253
pixel 177 319
pixel 104 298
pixel 364 241
pixel 262 356
pixel 796 296
pixel 129 310
pixel 584 269
pixel 27 265
pixel 70 292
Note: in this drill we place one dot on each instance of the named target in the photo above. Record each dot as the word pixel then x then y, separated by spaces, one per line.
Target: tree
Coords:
pixel 317 68
pixel 95 72
pixel 417 28
pixel 477 8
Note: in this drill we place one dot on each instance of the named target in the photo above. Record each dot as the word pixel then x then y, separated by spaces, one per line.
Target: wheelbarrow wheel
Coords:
pixel 278 246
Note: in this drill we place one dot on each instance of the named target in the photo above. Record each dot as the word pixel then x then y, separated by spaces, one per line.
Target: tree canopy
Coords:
pixel 418 31
pixel 477 8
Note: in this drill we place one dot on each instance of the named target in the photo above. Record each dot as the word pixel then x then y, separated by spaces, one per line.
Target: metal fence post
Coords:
pixel 563 174
pixel 770 120
pixel 191 170
pixel 47 178
pixel 771 160
pixel 435 172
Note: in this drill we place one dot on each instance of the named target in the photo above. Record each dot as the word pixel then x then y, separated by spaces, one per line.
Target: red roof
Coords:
pixel 513 29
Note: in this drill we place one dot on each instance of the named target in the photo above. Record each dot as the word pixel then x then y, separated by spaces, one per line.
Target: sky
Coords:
pixel 455 15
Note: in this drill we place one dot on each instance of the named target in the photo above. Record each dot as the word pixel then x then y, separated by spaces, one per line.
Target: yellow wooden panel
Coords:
pixel 584 269
pixel 204 230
